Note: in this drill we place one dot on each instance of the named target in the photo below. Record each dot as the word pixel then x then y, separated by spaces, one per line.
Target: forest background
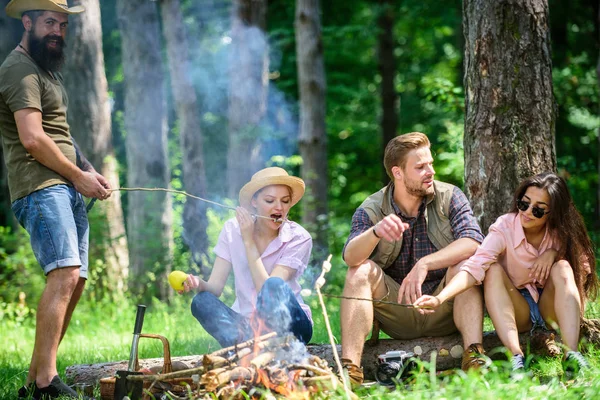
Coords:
pixel 198 95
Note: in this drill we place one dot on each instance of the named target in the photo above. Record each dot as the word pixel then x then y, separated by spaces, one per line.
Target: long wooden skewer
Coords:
pixel 139 189
pixel 337 296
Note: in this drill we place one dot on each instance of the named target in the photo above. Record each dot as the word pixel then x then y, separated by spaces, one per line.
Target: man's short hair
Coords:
pixel 398 147
pixel 33 14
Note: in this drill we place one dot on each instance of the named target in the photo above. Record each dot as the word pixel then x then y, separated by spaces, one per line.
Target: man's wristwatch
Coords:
pixel 375 232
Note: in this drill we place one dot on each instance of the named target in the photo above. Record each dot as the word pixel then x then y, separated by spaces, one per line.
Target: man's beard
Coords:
pixel 416 189
pixel 50 59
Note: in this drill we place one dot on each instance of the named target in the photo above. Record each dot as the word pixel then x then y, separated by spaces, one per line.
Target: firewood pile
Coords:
pixel 280 365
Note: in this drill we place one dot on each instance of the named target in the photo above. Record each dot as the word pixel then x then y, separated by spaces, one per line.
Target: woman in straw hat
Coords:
pixel 267 256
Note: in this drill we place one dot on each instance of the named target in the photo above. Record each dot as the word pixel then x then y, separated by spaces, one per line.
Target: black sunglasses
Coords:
pixel 536 211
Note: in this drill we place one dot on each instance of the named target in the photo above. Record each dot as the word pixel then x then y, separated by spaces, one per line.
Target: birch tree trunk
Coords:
pixel 313 133
pixel 149 218
pixel 90 122
pixel 11 29
pixel 190 135
pixel 510 108
pixel 387 70
pixel 247 92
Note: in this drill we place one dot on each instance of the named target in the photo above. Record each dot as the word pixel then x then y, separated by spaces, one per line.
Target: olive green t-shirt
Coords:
pixel 23 84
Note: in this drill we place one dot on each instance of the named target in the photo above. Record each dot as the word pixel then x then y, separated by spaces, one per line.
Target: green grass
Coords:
pixel 102 332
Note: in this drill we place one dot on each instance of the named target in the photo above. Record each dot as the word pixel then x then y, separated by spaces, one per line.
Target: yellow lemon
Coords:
pixel 176 279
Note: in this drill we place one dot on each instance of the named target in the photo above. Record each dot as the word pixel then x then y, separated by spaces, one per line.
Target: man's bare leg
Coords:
pixel 50 322
pixel 364 281
pixel 468 312
pixel 72 304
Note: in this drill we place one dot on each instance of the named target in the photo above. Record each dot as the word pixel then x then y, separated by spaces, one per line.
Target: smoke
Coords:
pixel 215 63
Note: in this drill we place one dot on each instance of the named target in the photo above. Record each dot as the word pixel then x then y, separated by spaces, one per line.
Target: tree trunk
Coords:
pixel 510 108
pixel 313 133
pixel 149 216
pixel 387 69
pixel 597 224
pixel 190 135
pixel 90 122
pixel 249 65
pixel 12 30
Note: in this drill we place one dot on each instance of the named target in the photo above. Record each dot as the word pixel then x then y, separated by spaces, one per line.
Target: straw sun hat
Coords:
pixel 16 8
pixel 271 176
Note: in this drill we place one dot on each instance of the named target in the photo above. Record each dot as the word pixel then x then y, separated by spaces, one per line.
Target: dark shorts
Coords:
pixel 57 223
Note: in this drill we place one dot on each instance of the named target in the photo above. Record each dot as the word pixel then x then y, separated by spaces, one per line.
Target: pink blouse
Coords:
pixel 506 244
pixel 291 248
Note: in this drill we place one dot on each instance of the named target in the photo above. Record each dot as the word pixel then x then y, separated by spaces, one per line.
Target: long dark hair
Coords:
pixel 566 224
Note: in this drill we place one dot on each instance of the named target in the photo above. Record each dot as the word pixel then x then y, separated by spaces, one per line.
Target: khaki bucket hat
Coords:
pixel 16 8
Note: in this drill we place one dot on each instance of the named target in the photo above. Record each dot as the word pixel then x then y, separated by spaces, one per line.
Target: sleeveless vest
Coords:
pixel 439 231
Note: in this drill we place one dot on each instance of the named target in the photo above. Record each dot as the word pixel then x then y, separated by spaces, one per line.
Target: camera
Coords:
pixel 395 366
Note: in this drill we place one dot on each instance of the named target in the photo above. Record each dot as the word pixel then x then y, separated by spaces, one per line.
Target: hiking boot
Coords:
pixel 474 358
pixel 573 363
pixel 57 388
pixel 355 373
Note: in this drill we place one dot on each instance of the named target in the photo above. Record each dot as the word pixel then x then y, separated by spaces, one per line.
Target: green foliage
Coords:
pixel 20 275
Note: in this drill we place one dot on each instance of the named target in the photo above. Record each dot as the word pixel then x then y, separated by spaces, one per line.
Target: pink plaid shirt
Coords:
pixel 290 249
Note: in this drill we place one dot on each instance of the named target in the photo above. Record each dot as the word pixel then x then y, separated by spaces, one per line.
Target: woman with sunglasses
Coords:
pixel 537 265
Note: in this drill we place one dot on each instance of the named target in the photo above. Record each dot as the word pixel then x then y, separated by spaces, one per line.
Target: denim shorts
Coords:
pixel 534 310
pixel 58 228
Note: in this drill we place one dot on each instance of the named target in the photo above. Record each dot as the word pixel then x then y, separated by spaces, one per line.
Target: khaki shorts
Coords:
pixel 408 323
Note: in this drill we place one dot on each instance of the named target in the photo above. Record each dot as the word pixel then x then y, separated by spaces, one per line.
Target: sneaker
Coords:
pixel 57 388
pixel 25 391
pixel 355 373
pixel 474 358
pixel 517 362
pixel 573 363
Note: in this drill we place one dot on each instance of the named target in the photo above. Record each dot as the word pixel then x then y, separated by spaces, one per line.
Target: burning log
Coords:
pixel 315 370
pixel 236 348
pixel 219 377
pixel 211 362
pixel 261 360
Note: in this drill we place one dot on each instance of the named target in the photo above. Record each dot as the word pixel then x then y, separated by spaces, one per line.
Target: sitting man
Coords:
pixel 406 240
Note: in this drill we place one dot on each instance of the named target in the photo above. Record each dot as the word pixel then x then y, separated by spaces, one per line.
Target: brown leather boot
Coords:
pixel 355 373
pixel 474 358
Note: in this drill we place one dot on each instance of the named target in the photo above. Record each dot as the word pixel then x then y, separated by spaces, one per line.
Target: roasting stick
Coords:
pixel 337 296
pixel 138 189
pixel 318 284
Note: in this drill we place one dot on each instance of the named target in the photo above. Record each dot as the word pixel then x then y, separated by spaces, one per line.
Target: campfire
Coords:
pixel 271 363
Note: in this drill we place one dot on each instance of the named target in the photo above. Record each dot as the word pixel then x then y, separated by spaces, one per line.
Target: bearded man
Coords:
pixel 47 177
pixel 406 240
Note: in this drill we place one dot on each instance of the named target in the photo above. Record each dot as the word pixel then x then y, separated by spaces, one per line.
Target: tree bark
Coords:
pixel 387 70
pixel 448 350
pixel 149 218
pixel 90 122
pixel 12 30
pixel 313 133
pixel 597 24
pixel 248 89
pixel 190 135
pixel 510 108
